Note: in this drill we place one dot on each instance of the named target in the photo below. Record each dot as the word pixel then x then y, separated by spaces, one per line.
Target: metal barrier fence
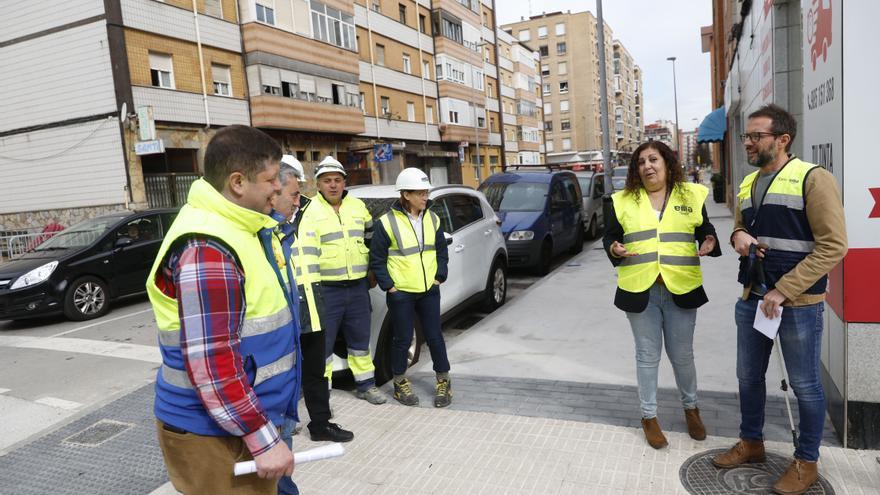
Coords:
pixel 168 190
pixel 15 243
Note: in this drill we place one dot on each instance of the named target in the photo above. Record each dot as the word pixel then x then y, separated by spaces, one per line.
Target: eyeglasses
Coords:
pixel 756 136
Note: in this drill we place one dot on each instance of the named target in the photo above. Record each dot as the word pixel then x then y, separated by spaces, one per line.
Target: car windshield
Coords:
pixel 515 196
pixel 80 235
pixel 585 185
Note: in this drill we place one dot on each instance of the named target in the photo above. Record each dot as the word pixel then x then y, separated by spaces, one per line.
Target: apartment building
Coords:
pixel 569 71
pixel 521 101
pixel 628 123
pixel 98 149
pixel 662 130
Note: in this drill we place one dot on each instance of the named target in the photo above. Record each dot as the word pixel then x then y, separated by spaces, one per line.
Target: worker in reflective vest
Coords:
pixel 652 236
pixel 343 227
pixel 409 258
pixel 792 211
pixel 229 342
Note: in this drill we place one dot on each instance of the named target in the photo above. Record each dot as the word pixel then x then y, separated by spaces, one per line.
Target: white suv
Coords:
pixel 477 265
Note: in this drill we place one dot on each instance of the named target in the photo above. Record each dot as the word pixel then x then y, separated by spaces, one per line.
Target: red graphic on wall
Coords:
pixel 875 191
pixel 819 30
pixel 767 5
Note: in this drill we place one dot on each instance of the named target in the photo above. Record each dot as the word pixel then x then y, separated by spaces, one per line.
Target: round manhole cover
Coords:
pixel 700 477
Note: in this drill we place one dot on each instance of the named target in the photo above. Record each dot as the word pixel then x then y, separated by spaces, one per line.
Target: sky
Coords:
pixel 651 31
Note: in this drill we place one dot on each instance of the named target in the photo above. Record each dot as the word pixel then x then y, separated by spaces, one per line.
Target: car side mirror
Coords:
pixel 123 242
pixel 448 237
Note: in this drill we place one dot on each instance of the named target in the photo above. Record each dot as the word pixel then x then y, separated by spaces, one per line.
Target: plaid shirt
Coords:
pixel 208 284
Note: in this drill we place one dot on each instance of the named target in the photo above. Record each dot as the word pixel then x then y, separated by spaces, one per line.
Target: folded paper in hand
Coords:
pixel 765 325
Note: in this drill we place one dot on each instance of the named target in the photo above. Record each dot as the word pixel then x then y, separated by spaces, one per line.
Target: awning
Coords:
pixel 713 127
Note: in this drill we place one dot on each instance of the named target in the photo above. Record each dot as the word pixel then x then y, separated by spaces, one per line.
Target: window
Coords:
pixel 316 156
pixel 525 35
pixel 545 88
pixel 301 155
pixel 548 126
pixel 422 23
pixel 542 31
pixel 429 114
pixel 451 70
pixel 478 79
pixel 289 89
pixel 562 68
pixel 426 69
pixel 307 89
pixel 377 7
pixel 453 117
pixel 265 14
pixel 447 25
pixel 463 210
pixel 548 108
pixel 401 13
pixel 486 19
pixel 545 70
pixel 386 106
pixel 222 80
pixel 481 121
pixel 214 8
pixel 363 103
pixel 380 54
pixel 333 26
pixel 410 111
pixel 566 144
pixel 563 106
pixel 565 125
pixel 563 86
pixel 548 147
pixel 560 29
pixel 407 64
pixel 161 70
pixel 561 48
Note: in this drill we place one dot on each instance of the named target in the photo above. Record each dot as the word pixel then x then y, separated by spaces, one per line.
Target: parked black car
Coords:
pixel 80 270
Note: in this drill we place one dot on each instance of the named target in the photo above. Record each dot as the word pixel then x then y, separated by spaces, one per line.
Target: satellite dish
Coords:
pixel 123 112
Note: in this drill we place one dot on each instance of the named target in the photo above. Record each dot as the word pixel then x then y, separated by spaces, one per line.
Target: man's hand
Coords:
pixel 741 242
pixel 436 282
pixel 392 290
pixel 275 462
pixel 619 251
pixel 707 246
pixel 772 301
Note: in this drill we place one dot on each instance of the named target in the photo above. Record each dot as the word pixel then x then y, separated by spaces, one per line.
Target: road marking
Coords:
pixel 55 402
pixel 100 323
pixel 136 352
pixel 166 489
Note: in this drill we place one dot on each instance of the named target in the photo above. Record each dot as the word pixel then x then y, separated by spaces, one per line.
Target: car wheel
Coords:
pixel 86 298
pixel 382 361
pixel 543 267
pixel 496 287
pixel 594 227
pixel 578 245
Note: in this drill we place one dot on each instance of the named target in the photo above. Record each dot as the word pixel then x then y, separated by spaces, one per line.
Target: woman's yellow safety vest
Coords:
pixel 665 247
pixel 411 267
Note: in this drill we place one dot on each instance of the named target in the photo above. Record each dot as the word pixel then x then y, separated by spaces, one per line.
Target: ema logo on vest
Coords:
pixel 683 209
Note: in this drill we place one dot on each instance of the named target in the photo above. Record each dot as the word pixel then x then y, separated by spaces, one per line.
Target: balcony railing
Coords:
pixel 168 190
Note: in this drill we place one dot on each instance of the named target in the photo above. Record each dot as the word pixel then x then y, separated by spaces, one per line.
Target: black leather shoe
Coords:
pixel 330 432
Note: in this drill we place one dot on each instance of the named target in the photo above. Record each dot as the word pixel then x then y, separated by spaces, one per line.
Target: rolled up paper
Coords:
pixel 316 454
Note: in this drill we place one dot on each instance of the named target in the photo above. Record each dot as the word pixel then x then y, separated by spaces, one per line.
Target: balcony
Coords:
pixel 277 112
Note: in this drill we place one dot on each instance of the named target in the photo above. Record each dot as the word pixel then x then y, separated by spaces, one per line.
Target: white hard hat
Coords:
pixel 412 179
pixel 329 164
pixel 297 166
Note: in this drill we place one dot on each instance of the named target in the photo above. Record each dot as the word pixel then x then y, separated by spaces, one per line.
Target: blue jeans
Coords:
pixel 403 308
pixel 286 486
pixel 664 322
pixel 800 334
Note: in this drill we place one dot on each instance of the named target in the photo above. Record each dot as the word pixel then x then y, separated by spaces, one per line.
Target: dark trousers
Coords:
pixel 403 308
pixel 347 309
pixel 314 384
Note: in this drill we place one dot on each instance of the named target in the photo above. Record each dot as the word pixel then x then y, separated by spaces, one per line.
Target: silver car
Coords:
pixel 592 189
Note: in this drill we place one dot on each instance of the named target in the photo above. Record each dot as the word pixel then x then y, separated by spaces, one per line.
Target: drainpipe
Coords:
pixel 373 74
pixel 201 64
pixel 421 70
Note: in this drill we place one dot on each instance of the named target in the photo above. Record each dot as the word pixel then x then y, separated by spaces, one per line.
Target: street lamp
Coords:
pixel 675 95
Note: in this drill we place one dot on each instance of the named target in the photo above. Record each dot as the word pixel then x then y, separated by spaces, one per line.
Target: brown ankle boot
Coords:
pixel 653 433
pixel 798 478
pixel 743 452
pixel 695 425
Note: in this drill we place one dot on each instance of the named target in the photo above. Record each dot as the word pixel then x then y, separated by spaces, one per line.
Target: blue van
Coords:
pixel 541 214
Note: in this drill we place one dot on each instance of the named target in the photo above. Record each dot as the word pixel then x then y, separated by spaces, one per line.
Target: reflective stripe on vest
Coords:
pixel 180 379
pixel 666 247
pixel 412 267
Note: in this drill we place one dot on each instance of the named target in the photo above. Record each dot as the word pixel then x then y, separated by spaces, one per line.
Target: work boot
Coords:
pixel 745 451
pixel 371 395
pixel 443 393
pixel 798 478
pixel 403 393
pixel 695 425
pixel 653 433
pixel 329 432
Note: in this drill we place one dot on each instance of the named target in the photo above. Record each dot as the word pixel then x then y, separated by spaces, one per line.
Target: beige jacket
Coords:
pixel 825 214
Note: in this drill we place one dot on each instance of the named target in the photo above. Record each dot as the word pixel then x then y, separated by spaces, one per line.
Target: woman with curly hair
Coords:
pixel 654 228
